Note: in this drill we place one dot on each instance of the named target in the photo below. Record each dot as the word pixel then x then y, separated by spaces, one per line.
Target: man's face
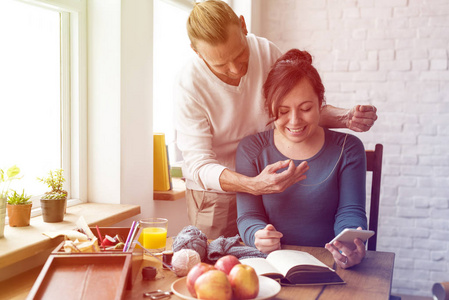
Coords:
pixel 228 61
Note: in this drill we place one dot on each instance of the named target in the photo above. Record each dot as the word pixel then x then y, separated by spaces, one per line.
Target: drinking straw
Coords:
pixel 163 263
pixel 99 236
pixel 131 234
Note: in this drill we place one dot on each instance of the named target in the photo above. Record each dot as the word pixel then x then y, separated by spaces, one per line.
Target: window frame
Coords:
pixel 73 68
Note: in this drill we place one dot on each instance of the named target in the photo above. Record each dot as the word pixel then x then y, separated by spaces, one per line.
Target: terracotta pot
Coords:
pixel 2 216
pixel 19 215
pixel 53 209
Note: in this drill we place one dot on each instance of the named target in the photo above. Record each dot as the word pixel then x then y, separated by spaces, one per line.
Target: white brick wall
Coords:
pixel 392 54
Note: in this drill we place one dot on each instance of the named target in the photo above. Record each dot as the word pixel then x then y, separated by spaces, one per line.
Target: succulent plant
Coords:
pixel 54 196
pixel 18 199
pixel 54 181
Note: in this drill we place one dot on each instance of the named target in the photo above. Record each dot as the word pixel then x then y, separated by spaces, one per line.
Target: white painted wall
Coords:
pixel 120 143
pixel 393 54
pixel 120 110
pixel 136 107
pixel 103 100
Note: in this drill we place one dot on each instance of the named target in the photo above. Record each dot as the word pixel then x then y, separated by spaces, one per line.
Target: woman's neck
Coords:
pixel 300 150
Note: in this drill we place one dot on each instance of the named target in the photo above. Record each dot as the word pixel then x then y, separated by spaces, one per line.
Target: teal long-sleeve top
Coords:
pixel 310 212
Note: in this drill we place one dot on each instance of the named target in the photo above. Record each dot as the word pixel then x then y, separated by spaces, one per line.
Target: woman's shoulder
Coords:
pixel 253 144
pixel 258 139
pixel 349 146
pixel 346 140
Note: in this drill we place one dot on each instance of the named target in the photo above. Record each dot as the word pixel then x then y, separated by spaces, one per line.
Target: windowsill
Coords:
pixel 20 243
pixel 37 211
pixel 178 191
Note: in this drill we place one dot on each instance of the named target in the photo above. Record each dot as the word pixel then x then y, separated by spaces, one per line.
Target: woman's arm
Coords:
pixel 251 216
pixel 351 210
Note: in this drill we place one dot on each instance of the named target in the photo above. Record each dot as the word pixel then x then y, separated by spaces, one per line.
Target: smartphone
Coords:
pixel 348 235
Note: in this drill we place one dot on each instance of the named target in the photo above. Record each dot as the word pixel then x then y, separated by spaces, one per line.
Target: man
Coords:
pixel 218 102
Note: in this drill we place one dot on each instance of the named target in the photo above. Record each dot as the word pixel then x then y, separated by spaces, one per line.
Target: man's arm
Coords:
pixel 360 118
pixel 267 182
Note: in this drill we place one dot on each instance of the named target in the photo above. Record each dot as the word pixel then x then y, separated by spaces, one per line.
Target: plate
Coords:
pixel 268 288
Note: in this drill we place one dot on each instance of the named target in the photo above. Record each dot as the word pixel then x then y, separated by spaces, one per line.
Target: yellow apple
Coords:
pixel 213 285
pixel 196 271
pixel 244 282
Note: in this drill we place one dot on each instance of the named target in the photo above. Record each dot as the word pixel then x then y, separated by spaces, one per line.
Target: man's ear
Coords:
pixel 243 25
pixel 196 51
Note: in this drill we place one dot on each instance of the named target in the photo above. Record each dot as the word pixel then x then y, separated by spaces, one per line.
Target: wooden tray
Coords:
pixel 82 277
pixel 136 253
pixel 111 231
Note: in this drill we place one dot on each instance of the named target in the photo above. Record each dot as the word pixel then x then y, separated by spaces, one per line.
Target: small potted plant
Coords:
pixel 53 203
pixel 19 209
pixel 5 180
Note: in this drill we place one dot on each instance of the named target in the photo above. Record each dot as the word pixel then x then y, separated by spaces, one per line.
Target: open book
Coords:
pixel 293 267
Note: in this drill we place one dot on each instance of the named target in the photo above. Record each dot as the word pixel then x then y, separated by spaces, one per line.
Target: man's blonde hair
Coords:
pixel 209 22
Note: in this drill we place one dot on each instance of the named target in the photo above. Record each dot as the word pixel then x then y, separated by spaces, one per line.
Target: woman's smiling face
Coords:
pixel 299 113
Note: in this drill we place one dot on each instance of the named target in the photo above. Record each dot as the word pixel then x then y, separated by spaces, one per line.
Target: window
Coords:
pixel 171 51
pixel 36 78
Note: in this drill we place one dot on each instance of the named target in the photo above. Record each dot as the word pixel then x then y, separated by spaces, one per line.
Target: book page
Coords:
pixel 261 266
pixel 284 260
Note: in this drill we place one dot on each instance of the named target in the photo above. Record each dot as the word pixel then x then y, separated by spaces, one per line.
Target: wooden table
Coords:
pixel 369 280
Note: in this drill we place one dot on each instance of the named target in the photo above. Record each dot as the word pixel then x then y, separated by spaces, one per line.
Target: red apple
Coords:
pixel 244 282
pixel 226 263
pixel 214 285
pixel 196 271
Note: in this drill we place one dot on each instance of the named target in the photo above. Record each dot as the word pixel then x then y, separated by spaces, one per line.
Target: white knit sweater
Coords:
pixel 212 116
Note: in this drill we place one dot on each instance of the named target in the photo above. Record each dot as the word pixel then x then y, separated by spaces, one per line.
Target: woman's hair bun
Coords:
pixel 295 55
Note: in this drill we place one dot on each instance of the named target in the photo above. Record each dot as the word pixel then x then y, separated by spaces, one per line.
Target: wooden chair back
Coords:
pixel 374 165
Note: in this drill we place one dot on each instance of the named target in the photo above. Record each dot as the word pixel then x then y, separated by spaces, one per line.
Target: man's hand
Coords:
pixel 270 182
pixel 267 182
pixel 268 239
pixel 361 118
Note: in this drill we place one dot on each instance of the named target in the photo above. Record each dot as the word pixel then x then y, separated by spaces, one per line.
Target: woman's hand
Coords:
pixel 347 255
pixel 268 239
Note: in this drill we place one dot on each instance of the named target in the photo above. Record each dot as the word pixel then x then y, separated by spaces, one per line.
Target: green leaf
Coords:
pixel 18 199
pixel 13 171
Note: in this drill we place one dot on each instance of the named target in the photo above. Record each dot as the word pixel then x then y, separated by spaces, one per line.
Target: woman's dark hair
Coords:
pixel 287 71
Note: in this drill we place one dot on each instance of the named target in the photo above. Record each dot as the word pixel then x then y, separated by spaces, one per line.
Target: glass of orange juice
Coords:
pixel 154 234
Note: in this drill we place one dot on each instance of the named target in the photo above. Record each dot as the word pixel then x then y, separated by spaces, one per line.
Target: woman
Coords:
pixel 331 198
